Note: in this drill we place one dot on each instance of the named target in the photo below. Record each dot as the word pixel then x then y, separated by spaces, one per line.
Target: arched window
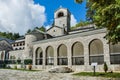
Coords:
pixel 115 53
pixel 39 56
pixel 49 55
pixel 96 51
pixel 60 14
pixel 77 54
pixel 62 55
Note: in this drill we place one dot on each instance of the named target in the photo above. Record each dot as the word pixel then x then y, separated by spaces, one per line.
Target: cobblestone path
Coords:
pixel 6 74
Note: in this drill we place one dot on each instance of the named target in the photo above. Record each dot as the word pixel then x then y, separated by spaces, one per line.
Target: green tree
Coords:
pixel 10 35
pixel 29 30
pixel 105 13
pixel 80 24
pixel 16 36
pixel 4 33
pixel 79 1
pixel 42 28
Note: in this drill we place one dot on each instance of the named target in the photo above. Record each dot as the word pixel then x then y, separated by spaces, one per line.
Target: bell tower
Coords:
pixel 62 18
pixel 61 24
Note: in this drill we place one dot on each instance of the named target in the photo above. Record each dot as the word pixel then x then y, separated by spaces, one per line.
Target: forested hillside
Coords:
pixel 9 35
pixel 14 36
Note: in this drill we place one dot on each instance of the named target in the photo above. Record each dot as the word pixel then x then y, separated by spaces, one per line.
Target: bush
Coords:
pixel 28 61
pixel 105 67
pixel 19 61
pixel 15 67
pixel 4 65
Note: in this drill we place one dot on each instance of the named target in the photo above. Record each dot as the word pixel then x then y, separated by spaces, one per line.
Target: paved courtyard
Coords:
pixel 31 75
pixel 41 75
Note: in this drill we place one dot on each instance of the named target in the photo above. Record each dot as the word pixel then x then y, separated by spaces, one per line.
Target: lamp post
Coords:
pixel 94 67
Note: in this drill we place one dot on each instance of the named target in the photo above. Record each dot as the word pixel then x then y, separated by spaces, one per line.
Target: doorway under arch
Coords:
pixel 96 51
pixel 39 56
pixel 115 53
pixel 62 55
pixel 49 56
pixel 77 54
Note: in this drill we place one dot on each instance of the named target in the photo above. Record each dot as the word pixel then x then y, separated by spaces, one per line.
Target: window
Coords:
pixel 39 56
pixel 60 14
pixel 16 49
pixel 77 54
pixel 54 30
pixel 49 56
pixel 115 53
pixel 115 59
pixel 96 51
pixel 62 55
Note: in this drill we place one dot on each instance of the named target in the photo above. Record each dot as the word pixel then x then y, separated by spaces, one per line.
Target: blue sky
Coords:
pixel 78 10
pixel 18 16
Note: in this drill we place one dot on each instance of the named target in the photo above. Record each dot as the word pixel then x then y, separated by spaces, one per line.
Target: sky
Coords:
pixel 18 16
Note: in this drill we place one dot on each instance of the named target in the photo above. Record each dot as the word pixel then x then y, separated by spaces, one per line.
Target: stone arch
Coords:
pixel 77 53
pixel 115 53
pixel 62 55
pixel 49 55
pixel 16 48
pixel 96 53
pixel 60 14
pixel 39 56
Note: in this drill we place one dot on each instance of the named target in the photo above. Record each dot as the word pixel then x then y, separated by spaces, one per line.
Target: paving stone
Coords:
pixel 42 75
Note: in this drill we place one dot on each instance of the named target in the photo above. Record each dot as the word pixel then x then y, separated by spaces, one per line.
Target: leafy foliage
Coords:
pixel 42 28
pixel 28 61
pixel 105 13
pixel 39 28
pixel 81 24
pixel 79 1
pixel 9 35
pixel 29 30
pixel 19 61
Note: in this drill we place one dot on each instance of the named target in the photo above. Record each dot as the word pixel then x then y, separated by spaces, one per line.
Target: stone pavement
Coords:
pixel 6 74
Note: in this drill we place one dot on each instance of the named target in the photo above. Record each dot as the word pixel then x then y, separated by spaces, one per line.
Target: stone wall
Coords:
pixel 19 54
pixel 85 38
pixel 2 55
pixel 55 31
